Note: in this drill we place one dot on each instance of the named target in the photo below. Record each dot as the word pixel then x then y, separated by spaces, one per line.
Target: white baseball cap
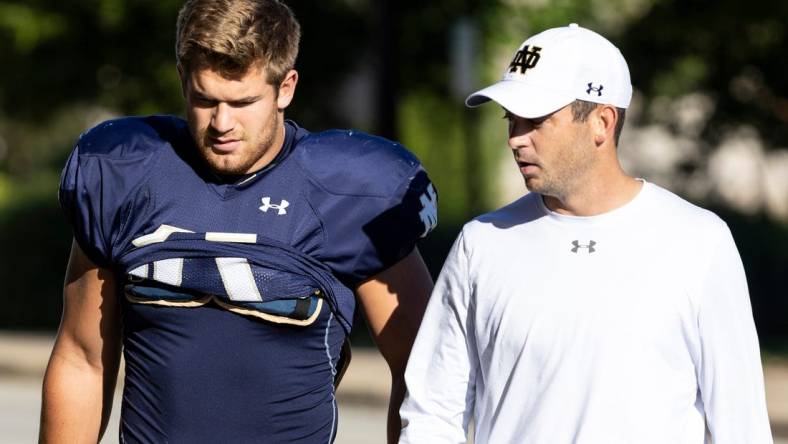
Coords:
pixel 553 68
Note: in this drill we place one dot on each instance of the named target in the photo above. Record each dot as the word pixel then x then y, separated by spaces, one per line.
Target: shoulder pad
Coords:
pixel 104 170
pixel 130 136
pixel 352 162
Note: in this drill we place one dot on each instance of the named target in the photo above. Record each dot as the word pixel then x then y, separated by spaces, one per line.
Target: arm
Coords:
pixel 440 377
pixel 393 324
pixel 730 377
pixel 82 370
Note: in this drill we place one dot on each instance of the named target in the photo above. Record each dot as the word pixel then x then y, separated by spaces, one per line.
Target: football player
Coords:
pixel 224 254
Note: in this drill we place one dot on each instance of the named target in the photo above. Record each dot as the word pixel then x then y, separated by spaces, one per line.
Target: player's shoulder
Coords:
pixel 348 162
pixel 131 136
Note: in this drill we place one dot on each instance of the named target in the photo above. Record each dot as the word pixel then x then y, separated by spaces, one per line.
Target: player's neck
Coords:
pixel 601 192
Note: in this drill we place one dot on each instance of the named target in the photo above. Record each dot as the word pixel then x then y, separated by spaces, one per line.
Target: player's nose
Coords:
pixel 222 119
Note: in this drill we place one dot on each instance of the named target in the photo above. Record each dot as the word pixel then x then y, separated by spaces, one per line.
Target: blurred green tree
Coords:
pixel 68 65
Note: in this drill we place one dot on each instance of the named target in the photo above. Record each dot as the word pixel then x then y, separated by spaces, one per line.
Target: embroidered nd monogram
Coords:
pixel 525 59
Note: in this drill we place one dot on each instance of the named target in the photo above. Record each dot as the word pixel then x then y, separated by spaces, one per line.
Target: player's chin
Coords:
pixel 228 164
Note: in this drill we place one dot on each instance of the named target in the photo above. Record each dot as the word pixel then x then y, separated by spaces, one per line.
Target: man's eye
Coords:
pixel 536 123
pixel 202 101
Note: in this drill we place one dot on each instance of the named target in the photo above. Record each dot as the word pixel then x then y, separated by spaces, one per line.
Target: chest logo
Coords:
pixel 281 207
pixel 525 59
pixel 429 209
pixel 577 246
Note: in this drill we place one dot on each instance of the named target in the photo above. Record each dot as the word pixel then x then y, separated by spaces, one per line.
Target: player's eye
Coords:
pixel 204 102
pixel 242 103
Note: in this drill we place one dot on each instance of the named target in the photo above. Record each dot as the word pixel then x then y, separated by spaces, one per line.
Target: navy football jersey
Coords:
pixel 236 297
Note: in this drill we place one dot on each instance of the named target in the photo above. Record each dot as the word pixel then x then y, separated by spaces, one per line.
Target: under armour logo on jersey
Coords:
pixel 598 90
pixel 267 205
pixel 577 246
pixel 525 59
pixel 429 209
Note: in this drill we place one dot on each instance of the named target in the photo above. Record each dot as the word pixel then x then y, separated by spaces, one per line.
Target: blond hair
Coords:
pixel 231 36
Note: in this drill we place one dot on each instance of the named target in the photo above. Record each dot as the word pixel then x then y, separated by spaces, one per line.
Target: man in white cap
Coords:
pixel 599 308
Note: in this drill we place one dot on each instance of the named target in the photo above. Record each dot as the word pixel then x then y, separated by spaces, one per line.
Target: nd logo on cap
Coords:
pixel 552 69
pixel 525 59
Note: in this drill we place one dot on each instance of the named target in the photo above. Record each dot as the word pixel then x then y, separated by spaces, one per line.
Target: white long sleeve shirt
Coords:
pixel 633 326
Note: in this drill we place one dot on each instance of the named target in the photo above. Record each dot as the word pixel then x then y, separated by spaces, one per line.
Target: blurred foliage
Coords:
pixel 68 65
pixel 763 245
pixel 730 50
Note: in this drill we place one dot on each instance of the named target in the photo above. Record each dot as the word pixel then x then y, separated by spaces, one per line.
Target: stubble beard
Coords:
pixel 542 184
pixel 564 175
pixel 236 163
pixel 547 184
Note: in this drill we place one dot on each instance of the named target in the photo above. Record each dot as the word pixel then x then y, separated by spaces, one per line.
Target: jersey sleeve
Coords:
pixel 79 197
pixel 95 185
pixel 730 376
pixel 367 234
pixel 373 198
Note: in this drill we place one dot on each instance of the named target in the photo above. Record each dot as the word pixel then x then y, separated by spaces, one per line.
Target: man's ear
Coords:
pixel 604 120
pixel 287 90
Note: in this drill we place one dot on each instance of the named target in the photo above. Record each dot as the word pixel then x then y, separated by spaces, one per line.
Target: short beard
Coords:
pixel 548 186
pixel 568 174
pixel 223 164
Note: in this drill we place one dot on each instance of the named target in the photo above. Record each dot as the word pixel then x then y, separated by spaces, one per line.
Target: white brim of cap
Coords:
pixel 520 98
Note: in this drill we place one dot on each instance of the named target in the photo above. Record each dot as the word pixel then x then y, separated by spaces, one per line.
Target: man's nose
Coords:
pixel 222 119
pixel 520 134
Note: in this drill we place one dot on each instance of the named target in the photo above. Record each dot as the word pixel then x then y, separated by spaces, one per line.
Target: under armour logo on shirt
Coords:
pixel 267 205
pixel 577 246
pixel 429 209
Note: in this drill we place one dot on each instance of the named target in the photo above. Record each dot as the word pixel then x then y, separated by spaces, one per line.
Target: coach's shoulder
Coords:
pixel 353 162
pixel 681 210
pixel 131 136
pixel 520 212
pixel 683 220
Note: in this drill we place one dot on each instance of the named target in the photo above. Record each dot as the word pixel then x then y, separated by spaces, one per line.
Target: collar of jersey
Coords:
pixel 227 190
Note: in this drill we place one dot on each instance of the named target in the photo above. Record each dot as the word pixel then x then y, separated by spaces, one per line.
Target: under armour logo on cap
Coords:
pixel 598 90
pixel 267 205
pixel 577 246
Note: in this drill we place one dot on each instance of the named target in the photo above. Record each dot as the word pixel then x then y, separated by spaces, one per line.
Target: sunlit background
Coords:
pixel 709 118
